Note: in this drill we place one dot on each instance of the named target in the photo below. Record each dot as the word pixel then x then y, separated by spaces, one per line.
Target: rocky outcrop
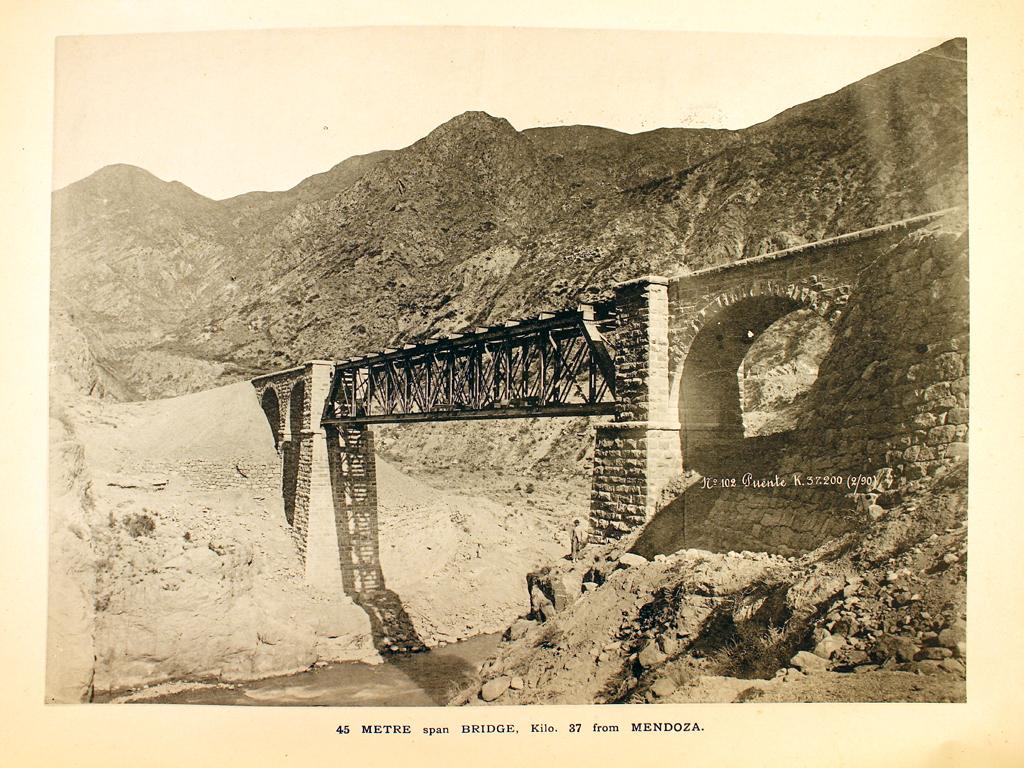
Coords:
pixel 70 639
pixel 182 563
pixel 876 616
pixel 164 568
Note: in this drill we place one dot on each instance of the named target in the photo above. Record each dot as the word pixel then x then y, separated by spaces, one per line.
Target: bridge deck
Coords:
pixel 556 364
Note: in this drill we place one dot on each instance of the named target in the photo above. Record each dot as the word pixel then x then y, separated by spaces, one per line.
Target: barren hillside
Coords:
pixel 478 221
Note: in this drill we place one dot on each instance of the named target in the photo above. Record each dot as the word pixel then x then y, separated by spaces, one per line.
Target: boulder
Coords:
pixel 934 654
pixel 495 689
pixel 663 687
pixel 928 667
pixel 517 684
pixel 894 647
pixel 651 655
pixel 952 665
pixel 953 634
pixel 553 590
pixel 827 647
pixel 808 662
pixel 668 644
pixel 855 658
pixel 631 560
pixel 540 605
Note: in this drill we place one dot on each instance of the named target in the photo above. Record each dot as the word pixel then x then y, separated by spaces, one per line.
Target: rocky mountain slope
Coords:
pixel 478 222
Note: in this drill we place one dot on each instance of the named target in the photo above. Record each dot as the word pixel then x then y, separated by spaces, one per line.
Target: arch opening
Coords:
pixel 290 476
pixel 296 408
pixel 272 410
pixel 743 379
pixel 778 370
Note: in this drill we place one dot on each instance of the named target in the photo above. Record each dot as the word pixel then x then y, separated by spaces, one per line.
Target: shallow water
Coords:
pixel 421 679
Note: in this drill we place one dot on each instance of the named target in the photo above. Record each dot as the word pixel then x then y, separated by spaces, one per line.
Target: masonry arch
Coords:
pixel 714 382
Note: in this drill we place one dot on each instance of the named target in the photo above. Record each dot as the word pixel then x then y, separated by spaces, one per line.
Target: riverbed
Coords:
pixel 423 679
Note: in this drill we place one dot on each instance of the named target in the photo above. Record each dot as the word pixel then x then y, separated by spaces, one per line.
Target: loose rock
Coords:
pixel 495 689
pixel 519 628
pixel 808 662
pixel 894 647
pixel 663 687
pixel 829 645
pixel 651 655
pixel 630 559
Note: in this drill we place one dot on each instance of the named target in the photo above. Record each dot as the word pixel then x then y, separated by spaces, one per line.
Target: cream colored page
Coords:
pixel 898 734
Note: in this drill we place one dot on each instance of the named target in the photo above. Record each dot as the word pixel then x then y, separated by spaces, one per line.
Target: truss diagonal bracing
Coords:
pixel 552 365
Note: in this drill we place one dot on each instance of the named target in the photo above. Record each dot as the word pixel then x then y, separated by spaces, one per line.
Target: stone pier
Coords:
pixel 314 502
pixel 639 452
pixel 329 481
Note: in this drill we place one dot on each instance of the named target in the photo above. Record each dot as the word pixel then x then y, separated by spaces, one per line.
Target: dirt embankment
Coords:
pixel 190 574
pixel 876 615
pixel 457 559
pixel 170 533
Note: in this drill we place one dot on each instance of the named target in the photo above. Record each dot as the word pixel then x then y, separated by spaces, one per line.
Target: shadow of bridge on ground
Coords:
pixel 352 466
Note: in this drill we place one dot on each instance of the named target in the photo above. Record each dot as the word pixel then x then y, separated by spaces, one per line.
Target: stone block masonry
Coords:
pixel 891 397
pixel 293 401
pixel 638 453
pixel 220 475
pixel 314 499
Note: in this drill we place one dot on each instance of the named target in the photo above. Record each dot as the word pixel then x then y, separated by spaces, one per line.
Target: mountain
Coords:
pixel 479 222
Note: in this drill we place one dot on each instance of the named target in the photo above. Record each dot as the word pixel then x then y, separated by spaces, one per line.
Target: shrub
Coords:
pixel 139 524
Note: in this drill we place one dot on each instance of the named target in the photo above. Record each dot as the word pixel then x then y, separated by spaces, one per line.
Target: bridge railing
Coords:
pixel 556 364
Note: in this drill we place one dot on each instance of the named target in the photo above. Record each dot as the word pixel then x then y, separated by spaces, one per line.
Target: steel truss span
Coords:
pixel 557 364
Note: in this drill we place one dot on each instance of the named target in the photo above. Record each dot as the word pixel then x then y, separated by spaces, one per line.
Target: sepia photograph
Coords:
pixel 454 366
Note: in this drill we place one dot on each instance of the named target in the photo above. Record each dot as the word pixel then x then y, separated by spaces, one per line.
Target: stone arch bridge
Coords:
pixel 660 358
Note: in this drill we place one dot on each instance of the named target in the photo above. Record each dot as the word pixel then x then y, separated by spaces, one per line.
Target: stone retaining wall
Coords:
pixel 219 475
pixel 890 400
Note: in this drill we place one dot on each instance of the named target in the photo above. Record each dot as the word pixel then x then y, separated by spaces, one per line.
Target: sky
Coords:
pixel 233 112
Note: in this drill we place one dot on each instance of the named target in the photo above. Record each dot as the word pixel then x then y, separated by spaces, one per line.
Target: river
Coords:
pixel 409 680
